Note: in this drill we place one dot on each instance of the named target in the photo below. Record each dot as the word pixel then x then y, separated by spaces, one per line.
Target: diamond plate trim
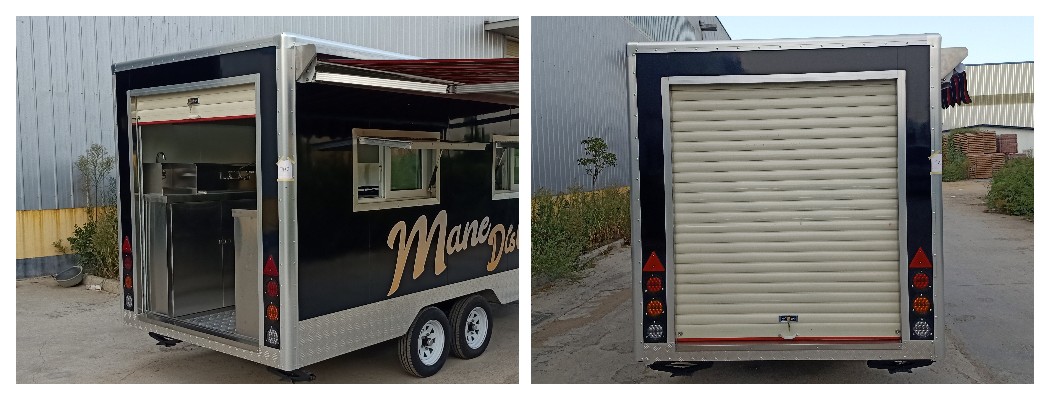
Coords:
pixel 901 351
pixel 266 356
pixel 339 333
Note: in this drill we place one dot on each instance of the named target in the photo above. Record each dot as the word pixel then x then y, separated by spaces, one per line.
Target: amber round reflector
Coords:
pixel 127 282
pixel 921 305
pixel 654 285
pixel 654 309
pixel 271 312
pixel 271 288
pixel 920 281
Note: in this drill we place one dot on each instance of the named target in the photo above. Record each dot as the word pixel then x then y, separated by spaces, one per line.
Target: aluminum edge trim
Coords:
pixel 636 212
pixel 289 335
pixel 902 203
pixel 936 197
pixel 195 54
pixel 330 47
pixel 671 334
pixel 780 44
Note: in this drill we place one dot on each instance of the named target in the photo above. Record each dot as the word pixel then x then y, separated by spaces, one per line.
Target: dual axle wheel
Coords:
pixel 424 349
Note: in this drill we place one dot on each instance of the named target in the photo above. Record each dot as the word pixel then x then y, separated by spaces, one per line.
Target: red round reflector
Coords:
pixel 271 289
pixel 271 312
pixel 654 285
pixel 127 282
pixel 920 281
pixel 127 261
pixel 126 247
pixel 654 309
pixel 270 269
pixel 921 305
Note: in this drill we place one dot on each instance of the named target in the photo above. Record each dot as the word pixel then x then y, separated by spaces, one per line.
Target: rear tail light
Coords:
pixel 272 303
pixel 921 305
pixel 654 308
pixel 922 329
pixel 128 272
pixel 654 332
pixel 920 281
pixel 272 289
pixel 270 269
pixel 654 284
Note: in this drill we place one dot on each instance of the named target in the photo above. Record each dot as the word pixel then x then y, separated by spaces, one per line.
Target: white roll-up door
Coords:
pixel 227 102
pixel 785 203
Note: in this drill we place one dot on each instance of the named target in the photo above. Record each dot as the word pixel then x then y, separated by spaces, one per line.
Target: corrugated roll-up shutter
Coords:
pixel 227 102
pixel 785 202
pixel 511 48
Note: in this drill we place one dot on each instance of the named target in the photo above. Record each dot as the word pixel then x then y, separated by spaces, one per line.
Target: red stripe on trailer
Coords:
pixel 653 264
pixel 920 260
pixel 186 121
pixel 798 339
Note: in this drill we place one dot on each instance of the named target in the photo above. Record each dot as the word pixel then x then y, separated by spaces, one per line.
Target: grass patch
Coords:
pixel 1012 189
pixel 566 225
pixel 956 165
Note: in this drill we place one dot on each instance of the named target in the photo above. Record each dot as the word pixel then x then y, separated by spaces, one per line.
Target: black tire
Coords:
pixel 464 330
pixel 408 344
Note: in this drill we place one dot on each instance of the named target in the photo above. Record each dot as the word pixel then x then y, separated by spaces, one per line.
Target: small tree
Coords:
pixel 96 243
pixel 598 158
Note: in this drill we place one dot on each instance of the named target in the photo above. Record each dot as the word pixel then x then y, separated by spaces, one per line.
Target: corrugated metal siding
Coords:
pixel 579 89
pixel 64 88
pixel 1002 94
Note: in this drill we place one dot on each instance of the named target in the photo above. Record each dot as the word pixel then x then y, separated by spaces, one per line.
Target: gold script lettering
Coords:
pixel 422 246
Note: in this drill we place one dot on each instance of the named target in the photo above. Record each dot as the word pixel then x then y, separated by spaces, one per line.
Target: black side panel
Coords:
pixel 258 61
pixel 344 257
pixel 915 60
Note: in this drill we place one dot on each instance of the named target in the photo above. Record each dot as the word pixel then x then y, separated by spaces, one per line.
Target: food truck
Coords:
pixel 787 200
pixel 291 199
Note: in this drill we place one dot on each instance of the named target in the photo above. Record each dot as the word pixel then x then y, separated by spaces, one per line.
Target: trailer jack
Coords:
pixel 680 368
pixel 295 375
pixel 895 366
pixel 164 340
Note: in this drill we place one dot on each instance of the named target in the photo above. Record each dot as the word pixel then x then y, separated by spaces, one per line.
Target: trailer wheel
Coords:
pixel 471 327
pixel 424 349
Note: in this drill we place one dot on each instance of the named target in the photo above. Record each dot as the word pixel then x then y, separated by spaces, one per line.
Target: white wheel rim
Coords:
pixel 476 329
pixel 431 342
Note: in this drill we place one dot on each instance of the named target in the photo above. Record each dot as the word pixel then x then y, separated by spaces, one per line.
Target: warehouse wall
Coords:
pixel 1003 94
pixel 65 96
pixel 579 89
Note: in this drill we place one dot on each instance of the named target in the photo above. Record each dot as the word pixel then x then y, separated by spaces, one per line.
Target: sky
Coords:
pixel 988 39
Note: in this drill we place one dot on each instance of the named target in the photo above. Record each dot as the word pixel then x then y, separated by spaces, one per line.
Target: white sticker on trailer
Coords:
pixel 285 170
pixel 936 165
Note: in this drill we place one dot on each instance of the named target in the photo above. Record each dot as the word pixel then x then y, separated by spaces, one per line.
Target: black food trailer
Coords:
pixel 787 200
pixel 292 199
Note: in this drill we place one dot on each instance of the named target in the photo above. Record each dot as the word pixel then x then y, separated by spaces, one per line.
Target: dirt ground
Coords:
pixel 581 329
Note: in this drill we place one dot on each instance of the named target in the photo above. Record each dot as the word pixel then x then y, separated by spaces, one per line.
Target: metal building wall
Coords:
pixel 1002 94
pixel 64 86
pixel 64 92
pixel 579 89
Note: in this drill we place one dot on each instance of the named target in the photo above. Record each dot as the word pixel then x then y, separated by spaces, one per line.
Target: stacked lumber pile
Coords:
pixel 985 151
pixel 1008 143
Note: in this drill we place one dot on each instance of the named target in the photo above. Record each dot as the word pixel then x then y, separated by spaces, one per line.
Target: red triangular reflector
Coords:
pixel 270 268
pixel 920 260
pixel 653 264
